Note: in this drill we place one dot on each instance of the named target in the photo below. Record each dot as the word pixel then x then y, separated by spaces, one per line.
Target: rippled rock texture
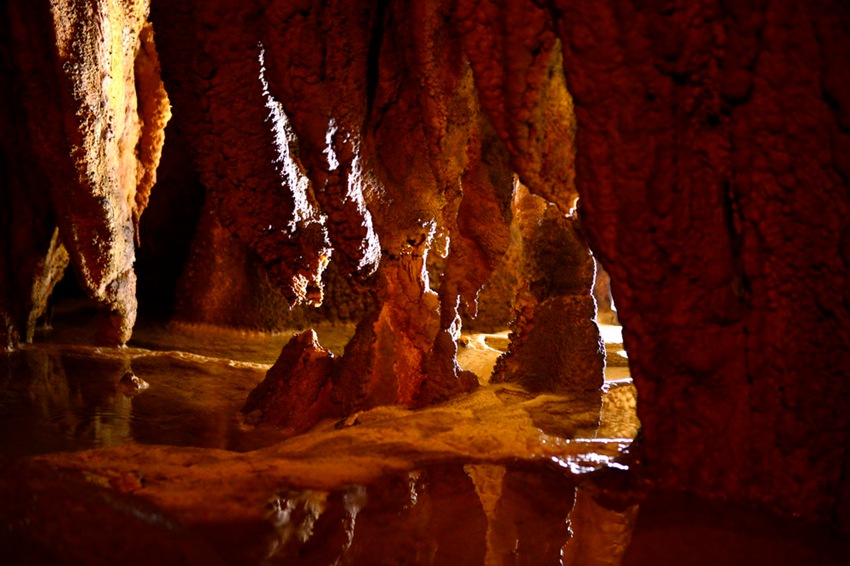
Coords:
pixel 708 141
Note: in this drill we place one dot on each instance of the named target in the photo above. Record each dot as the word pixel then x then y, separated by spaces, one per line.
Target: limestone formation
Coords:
pixel 296 392
pixel 712 145
pixel 95 109
pixel 709 143
pixel 555 344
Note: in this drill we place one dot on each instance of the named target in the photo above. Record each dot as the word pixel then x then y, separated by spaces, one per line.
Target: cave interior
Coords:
pixel 334 281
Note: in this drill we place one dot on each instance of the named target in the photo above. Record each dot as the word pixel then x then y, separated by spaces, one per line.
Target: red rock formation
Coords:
pixel 223 284
pixel 296 392
pixel 711 155
pixel 515 56
pixel 555 344
pixel 403 130
pixel 245 148
pixel 712 163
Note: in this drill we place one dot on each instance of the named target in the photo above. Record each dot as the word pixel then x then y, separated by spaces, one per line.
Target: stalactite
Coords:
pixel 317 63
pixel 245 148
pixel 515 55
pixel 711 156
pixel 87 126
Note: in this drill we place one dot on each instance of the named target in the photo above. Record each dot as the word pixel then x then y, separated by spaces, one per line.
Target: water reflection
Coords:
pixel 56 398
pixel 456 514
pixel 477 510
pixel 69 398
pixel 62 402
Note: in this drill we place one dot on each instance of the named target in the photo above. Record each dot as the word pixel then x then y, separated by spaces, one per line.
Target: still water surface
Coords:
pixel 447 502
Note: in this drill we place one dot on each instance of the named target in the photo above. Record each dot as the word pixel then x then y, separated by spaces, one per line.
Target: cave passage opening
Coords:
pixel 534 269
pixel 395 209
pixel 355 150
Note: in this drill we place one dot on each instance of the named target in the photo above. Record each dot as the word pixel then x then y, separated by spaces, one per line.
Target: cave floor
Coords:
pixel 499 476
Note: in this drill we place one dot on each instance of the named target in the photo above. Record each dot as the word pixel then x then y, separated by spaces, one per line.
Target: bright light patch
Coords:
pixel 611 334
pixel 371 246
pixel 285 162
pixel 333 162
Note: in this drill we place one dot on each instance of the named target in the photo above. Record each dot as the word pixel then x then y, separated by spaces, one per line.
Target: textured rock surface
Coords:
pixel 223 283
pixel 712 155
pixel 97 145
pixel 310 132
pixel 712 163
pixel 243 142
pixel 555 343
pixel 296 392
pixel 712 151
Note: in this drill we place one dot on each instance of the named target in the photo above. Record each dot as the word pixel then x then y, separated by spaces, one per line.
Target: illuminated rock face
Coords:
pixel 358 132
pixel 89 112
pixel 709 146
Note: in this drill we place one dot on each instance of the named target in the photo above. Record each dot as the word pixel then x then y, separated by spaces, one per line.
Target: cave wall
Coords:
pixel 713 168
pixel 712 163
pixel 711 155
pixel 360 133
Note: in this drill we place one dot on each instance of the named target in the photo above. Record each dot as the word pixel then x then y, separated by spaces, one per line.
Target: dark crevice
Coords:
pixel 373 61
pixel 733 222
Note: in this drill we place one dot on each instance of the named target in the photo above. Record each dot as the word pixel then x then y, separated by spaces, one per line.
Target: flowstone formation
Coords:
pixel 712 156
pixel 83 138
pixel 366 134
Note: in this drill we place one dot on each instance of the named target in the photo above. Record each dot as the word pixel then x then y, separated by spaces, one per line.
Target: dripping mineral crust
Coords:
pixel 412 200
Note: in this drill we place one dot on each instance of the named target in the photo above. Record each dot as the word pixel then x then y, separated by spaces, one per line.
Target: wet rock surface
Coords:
pixel 501 476
pixel 57 518
pixel 451 513
pixel 160 472
pixel 708 142
pixel 131 385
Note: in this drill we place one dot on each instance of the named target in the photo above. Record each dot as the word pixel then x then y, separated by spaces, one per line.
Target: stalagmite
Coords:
pixel 296 392
pixel 555 344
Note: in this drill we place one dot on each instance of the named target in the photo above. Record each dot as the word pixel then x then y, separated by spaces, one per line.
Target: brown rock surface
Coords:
pixel 554 341
pixel 224 283
pixel 712 155
pixel 296 392
pixel 244 146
